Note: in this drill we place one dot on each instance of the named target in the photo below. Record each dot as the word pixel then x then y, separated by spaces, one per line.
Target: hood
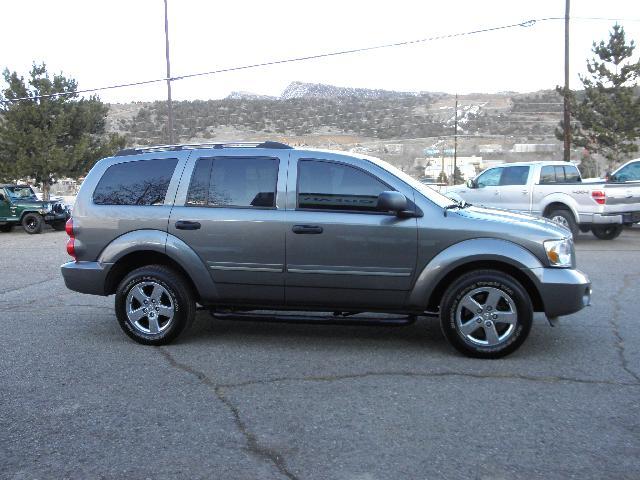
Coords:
pixel 525 224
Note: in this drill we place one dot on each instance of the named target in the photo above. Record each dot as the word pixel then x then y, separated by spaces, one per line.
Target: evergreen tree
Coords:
pixel 458 178
pixel 606 116
pixel 442 178
pixel 48 138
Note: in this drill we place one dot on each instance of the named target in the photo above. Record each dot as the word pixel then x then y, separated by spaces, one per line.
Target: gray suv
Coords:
pixel 241 227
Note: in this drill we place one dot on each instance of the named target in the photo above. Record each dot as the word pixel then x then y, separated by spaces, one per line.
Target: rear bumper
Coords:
pixel 563 290
pixel 613 218
pixel 86 277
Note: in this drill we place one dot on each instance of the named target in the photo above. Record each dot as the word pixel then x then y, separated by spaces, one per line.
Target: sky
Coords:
pixel 101 43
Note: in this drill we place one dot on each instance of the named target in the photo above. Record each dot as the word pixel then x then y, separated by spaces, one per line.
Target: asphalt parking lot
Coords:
pixel 248 400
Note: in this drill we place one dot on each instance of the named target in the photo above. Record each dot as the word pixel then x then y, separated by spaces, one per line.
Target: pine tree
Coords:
pixel 48 138
pixel 606 116
pixel 458 178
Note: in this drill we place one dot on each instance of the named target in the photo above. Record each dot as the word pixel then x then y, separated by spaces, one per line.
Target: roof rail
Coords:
pixel 192 146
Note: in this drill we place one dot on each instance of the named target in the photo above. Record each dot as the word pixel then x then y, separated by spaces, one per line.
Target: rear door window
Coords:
pixel 548 174
pixel 571 174
pixel 514 175
pixel 325 185
pixel 141 182
pixel 234 182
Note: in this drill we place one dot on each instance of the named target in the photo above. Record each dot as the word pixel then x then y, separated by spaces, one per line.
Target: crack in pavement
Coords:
pixel 252 442
pixel 443 374
pixel 614 321
pixel 278 460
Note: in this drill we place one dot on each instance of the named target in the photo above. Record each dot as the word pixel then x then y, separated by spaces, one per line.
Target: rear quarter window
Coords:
pixel 140 182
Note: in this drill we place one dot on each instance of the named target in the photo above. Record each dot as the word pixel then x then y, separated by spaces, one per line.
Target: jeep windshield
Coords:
pixel 21 193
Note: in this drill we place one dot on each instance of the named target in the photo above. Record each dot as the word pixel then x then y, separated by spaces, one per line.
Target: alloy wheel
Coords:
pixel 486 316
pixel 149 307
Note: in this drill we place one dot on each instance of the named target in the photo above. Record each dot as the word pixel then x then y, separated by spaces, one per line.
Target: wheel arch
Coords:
pixel 560 202
pixel 481 253
pixel 147 247
pixel 438 292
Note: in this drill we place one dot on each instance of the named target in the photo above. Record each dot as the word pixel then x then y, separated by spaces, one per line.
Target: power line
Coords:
pixel 526 23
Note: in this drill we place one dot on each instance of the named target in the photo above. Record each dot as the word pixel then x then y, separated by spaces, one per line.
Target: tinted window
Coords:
pixel 559 174
pixel 142 182
pixel 234 182
pixel 571 174
pixel 547 174
pixel 490 178
pixel 334 186
pixel 629 173
pixel 514 176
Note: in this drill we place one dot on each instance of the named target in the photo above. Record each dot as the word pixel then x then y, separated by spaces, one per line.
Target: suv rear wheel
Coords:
pixel 154 305
pixel 32 223
pixel 486 314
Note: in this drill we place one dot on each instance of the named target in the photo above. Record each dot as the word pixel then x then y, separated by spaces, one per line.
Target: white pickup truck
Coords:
pixel 555 190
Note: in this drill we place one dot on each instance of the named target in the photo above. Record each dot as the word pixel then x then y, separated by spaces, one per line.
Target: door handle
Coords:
pixel 307 229
pixel 496 193
pixel 524 192
pixel 187 225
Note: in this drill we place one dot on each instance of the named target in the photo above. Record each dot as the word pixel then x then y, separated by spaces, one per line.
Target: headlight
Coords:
pixel 559 252
pixel 46 208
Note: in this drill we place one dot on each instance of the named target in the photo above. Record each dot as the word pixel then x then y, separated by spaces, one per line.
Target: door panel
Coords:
pixel 488 192
pixel 514 193
pixel 241 232
pixel 350 255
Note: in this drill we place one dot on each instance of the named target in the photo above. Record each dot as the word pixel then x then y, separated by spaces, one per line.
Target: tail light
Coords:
pixel 71 243
pixel 599 197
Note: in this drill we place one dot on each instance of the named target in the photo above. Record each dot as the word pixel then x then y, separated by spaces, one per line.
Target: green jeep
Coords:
pixel 20 205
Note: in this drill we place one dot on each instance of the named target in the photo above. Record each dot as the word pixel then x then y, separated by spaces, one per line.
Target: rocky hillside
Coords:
pixel 332 116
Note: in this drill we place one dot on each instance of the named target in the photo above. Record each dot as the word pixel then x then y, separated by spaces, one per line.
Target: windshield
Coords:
pixel 427 191
pixel 18 193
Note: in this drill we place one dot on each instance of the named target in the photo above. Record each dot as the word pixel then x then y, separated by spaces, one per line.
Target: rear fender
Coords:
pixel 169 245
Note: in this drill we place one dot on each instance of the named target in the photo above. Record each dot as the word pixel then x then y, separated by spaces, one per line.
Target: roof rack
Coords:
pixel 192 146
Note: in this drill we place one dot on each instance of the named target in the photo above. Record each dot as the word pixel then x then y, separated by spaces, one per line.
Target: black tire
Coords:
pixel 59 225
pixel 568 221
pixel 32 223
pixel 6 228
pixel 608 232
pixel 471 343
pixel 178 295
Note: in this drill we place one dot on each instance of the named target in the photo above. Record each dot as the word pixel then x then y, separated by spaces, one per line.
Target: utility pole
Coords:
pixel 455 143
pixel 169 103
pixel 567 120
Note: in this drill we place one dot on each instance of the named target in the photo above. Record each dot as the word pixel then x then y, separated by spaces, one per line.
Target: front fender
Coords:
pixel 466 252
pixel 169 245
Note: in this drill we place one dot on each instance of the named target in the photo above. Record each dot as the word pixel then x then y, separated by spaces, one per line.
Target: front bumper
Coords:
pixel 563 290
pixel 86 277
pixel 56 217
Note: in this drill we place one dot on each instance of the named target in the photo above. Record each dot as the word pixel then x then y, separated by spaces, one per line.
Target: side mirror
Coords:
pixel 471 183
pixel 392 202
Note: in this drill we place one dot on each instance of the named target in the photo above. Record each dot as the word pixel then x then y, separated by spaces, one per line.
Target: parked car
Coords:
pixel 20 206
pixel 263 226
pixel 629 172
pixel 555 190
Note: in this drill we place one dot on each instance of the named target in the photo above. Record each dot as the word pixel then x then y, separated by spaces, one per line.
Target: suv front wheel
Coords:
pixel 154 305
pixel 486 314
